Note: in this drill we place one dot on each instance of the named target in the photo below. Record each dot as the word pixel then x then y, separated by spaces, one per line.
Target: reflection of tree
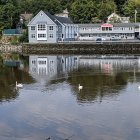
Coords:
pixel 8 77
pixel 97 85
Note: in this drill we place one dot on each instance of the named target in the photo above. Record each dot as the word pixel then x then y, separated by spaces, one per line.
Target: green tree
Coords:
pixel 106 7
pixel 8 15
pixel 129 9
pixel 83 11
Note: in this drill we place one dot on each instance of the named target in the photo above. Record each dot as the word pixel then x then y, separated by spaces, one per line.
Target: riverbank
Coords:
pixel 126 48
pixel 83 48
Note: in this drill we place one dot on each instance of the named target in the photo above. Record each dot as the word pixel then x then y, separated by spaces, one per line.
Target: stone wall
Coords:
pixel 128 49
pixel 10 48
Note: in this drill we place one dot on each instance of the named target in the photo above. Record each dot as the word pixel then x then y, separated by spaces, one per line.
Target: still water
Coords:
pixel 51 105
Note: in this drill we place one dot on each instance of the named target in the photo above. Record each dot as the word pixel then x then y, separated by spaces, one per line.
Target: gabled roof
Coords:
pixel 26 16
pixel 64 20
pixel 58 20
pixel 52 18
pixel 112 15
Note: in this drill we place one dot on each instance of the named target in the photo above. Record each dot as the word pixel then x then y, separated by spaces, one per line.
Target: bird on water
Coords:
pixel 80 87
pixel 19 85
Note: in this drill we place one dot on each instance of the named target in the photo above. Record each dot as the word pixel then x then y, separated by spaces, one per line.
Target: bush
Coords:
pixel 24 37
pixel 14 41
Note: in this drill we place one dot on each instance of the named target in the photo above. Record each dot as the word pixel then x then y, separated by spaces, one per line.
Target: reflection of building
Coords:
pixel 49 66
pixel 109 65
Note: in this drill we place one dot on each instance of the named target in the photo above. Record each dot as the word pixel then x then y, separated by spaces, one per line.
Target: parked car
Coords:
pixel 100 39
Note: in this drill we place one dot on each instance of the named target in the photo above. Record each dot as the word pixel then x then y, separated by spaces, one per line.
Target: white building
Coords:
pixel 115 18
pixel 47 28
pixel 108 31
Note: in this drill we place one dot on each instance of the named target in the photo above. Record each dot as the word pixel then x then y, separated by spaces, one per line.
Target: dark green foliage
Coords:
pixel 81 11
pixel 24 37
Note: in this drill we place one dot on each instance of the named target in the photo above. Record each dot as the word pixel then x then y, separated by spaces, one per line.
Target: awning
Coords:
pixel 106 25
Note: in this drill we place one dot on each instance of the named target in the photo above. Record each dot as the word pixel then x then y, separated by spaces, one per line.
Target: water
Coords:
pixel 50 104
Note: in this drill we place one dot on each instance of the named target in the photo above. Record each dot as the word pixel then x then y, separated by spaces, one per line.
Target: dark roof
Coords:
pixel 64 20
pixel 52 18
pixel 59 20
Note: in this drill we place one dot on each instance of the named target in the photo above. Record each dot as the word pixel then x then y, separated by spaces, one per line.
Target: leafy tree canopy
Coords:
pixel 81 11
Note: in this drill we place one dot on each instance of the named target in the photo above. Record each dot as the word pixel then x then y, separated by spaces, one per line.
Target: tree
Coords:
pixel 83 11
pixel 119 4
pixel 8 15
pixel 129 9
pixel 106 7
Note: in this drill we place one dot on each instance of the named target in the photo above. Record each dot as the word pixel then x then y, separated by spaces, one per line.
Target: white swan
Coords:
pixel 139 87
pixel 19 85
pixel 80 87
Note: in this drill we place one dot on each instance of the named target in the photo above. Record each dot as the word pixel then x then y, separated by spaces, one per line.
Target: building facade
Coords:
pixel 47 28
pixel 115 18
pixel 117 31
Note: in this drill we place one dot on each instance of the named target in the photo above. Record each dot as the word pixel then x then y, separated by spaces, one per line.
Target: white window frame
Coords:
pixel 51 28
pixel 41 35
pixel 32 35
pixel 41 32
pixel 50 35
pixel 41 27
pixel 32 28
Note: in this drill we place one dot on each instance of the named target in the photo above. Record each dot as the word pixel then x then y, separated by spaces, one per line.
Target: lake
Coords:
pixel 50 105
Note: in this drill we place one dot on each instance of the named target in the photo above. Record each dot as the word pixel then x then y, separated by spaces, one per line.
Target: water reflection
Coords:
pixel 46 68
pixel 9 74
pixel 50 104
pixel 99 77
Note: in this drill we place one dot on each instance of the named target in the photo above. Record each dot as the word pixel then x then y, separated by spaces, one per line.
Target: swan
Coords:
pixel 80 87
pixel 19 85
pixel 139 87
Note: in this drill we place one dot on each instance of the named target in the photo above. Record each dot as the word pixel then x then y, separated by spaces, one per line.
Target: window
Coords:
pixel 51 28
pixel 42 62
pixel 33 62
pixel 103 28
pixel 41 27
pixel 51 35
pixel 110 28
pixel 32 35
pixel 32 28
pixel 106 28
pixel 41 35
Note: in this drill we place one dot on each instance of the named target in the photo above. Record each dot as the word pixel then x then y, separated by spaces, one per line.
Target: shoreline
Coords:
pixel 102 48
pixel 83 48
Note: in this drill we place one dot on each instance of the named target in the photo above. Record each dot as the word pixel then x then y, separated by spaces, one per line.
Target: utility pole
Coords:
pixel 136 15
